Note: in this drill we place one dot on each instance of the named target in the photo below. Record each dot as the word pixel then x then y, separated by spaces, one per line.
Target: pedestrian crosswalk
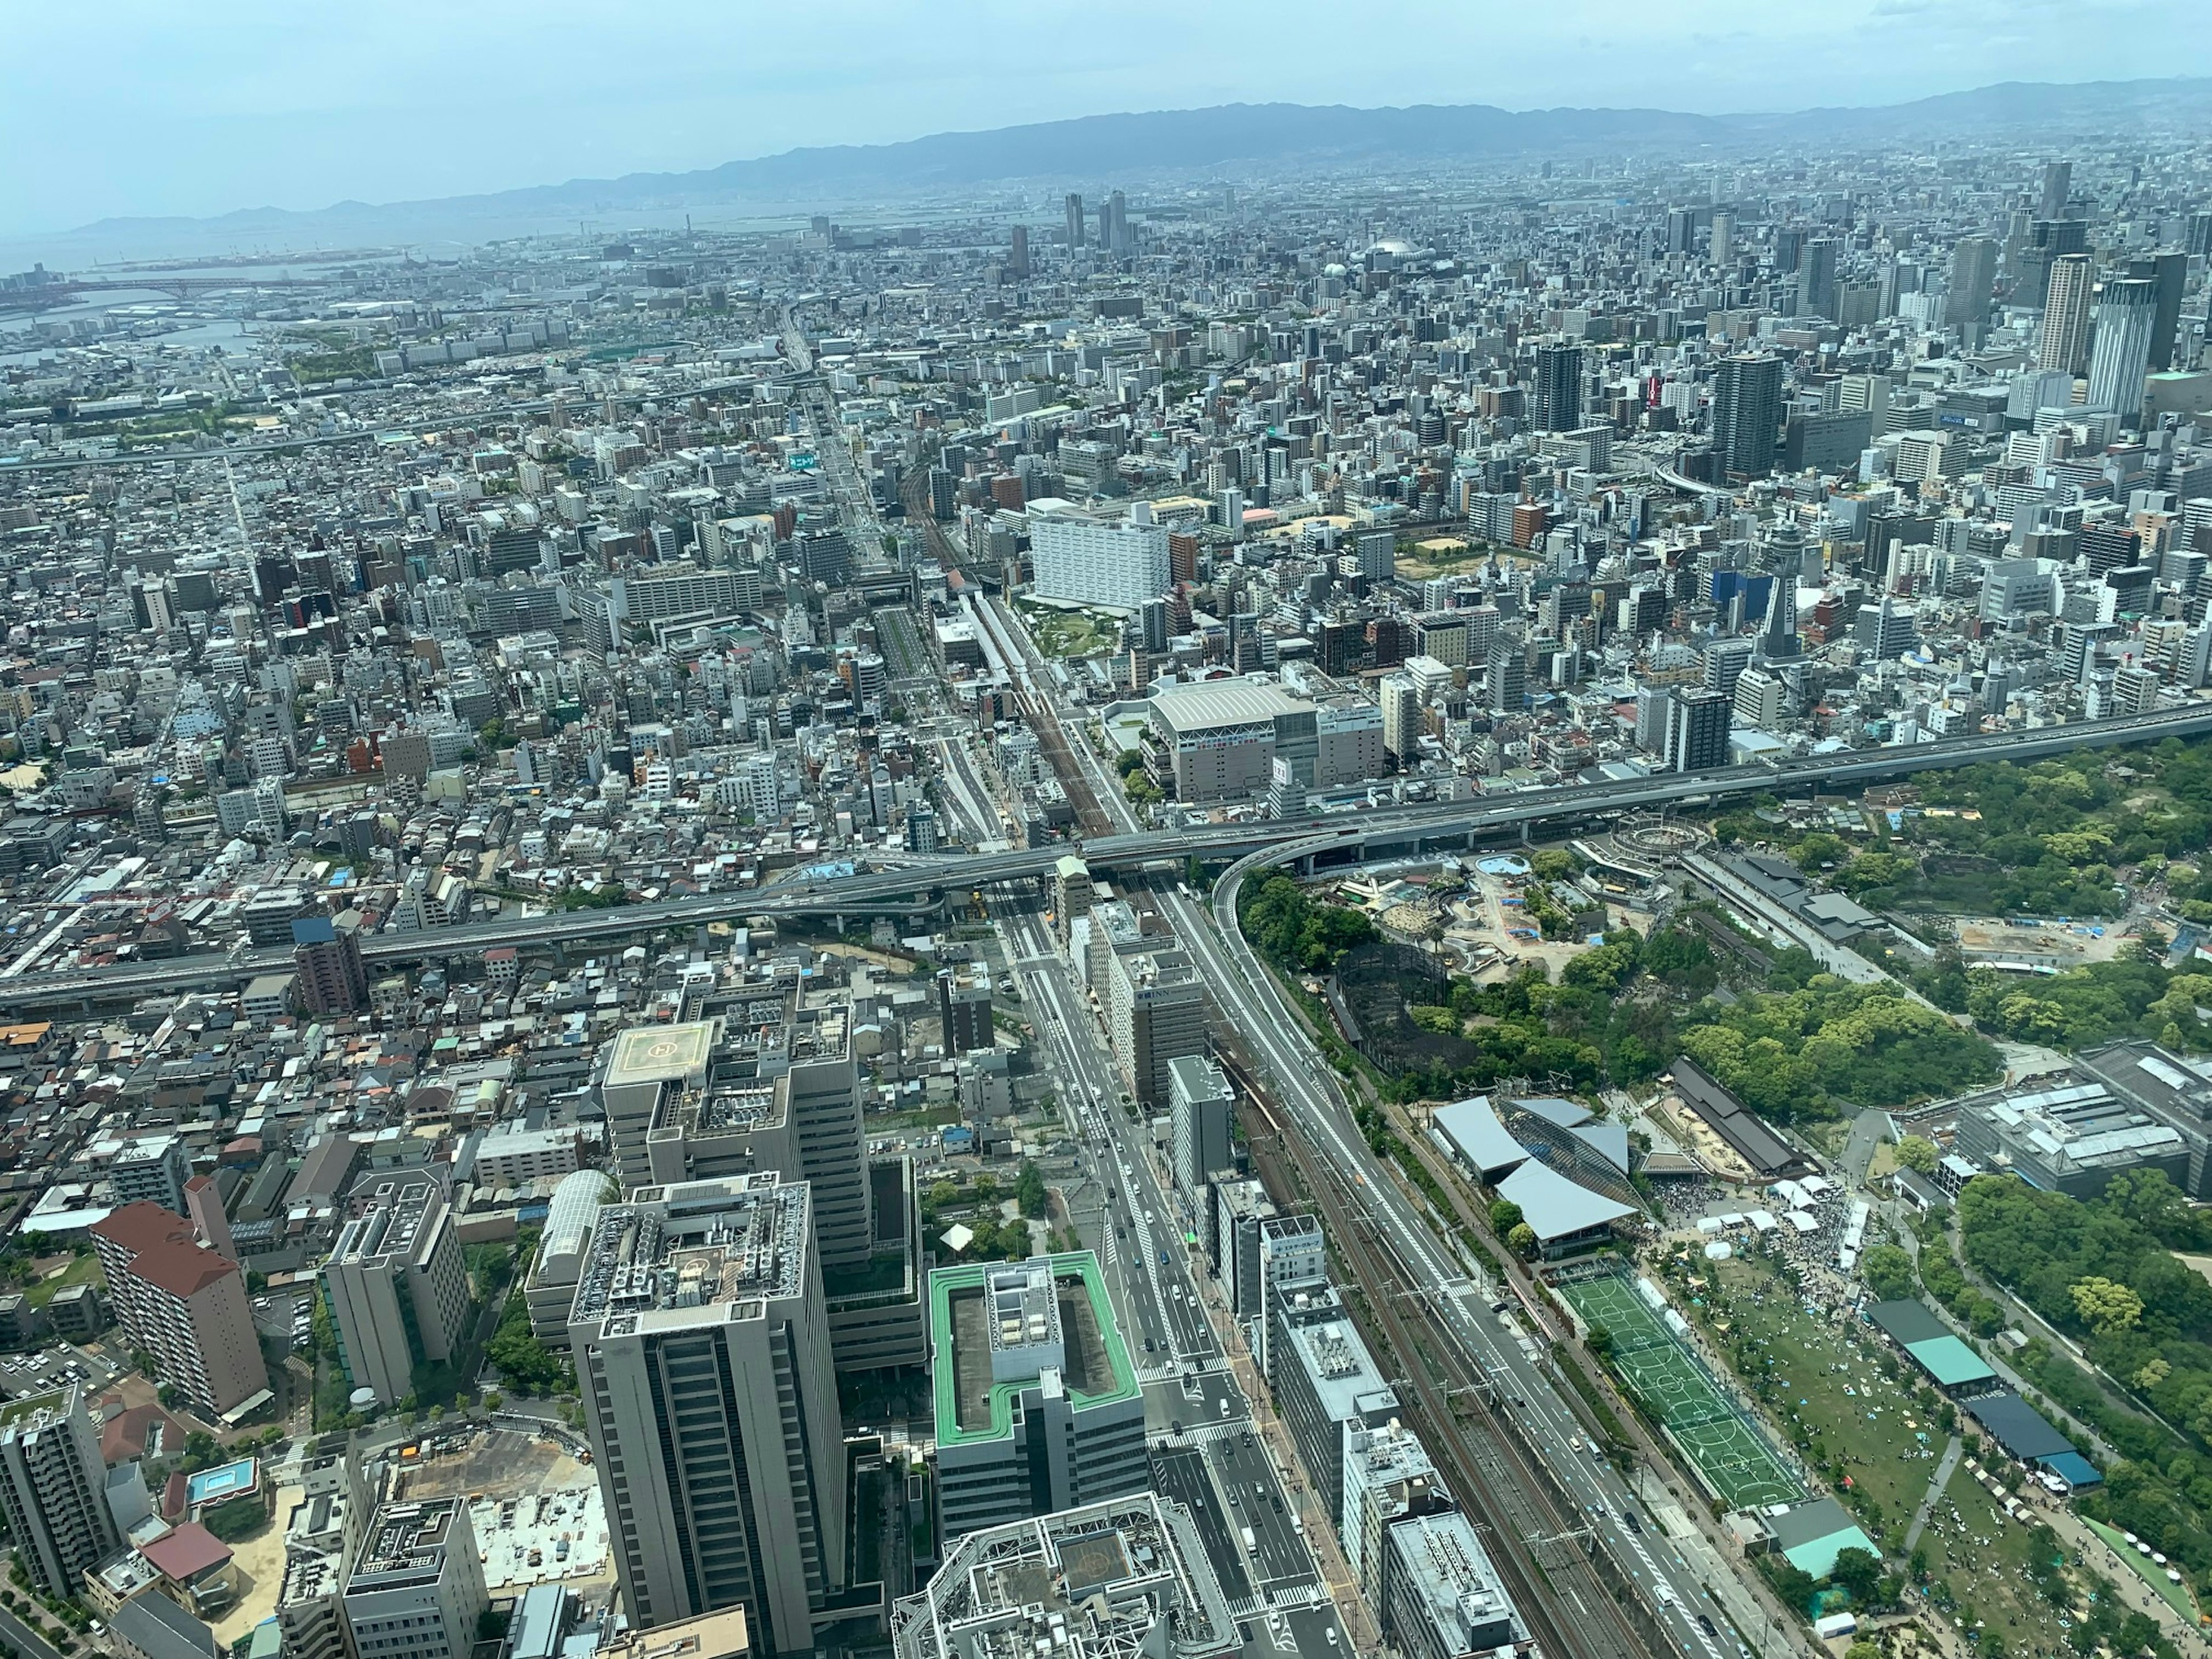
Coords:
pixel 1306 1593
pixel 1205 1434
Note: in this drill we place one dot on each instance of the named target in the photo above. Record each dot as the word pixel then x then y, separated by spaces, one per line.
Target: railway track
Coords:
pixel 1571 1612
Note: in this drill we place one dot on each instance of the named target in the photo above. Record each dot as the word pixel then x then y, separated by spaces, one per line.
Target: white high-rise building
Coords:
pixel 1091 561
pixel 1402 714
pixel 2127 320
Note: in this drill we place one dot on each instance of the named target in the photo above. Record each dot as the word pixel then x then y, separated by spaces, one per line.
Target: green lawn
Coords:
pixel 1070 633
pixel 1836 1386
pixel 80 1270
pixel 2175 1595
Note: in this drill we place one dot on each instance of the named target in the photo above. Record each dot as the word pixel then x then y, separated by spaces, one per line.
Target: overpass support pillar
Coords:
pixel 560 953
pixel 1524 832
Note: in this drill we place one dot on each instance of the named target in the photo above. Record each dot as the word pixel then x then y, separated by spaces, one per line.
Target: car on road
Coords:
pixel 1705 1624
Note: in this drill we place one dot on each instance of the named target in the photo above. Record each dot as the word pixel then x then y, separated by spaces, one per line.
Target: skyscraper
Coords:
pixel 1124 240
pixel 1723 228
pixel 1746 414
pixel 1017 252
pixel 1037 1404
pixel 1200 1109
pixel 333 979
pixel 1509 678
pixel 53 1489
pixel 1697 729
pixel 2168 271
pixel 2127 314
pixel 2058 185
pixel 1973 281
pixel 1816 278
pixel 2065 343
pixel 1558 400
pixel 702 1350
pixel 1075 226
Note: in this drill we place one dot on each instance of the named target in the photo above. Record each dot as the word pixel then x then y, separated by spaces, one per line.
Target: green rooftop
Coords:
pixel 971 1407
pixel 55 1401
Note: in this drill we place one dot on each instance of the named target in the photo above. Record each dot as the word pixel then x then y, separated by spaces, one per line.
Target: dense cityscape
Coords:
pixel 1293 912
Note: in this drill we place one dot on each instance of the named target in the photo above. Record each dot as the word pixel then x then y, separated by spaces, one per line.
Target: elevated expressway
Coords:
pixel 1310 842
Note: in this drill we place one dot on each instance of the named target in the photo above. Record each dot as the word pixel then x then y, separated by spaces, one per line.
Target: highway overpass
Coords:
pixel 923 884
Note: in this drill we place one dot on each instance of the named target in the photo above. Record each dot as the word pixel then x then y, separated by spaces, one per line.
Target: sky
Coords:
pixel 130 107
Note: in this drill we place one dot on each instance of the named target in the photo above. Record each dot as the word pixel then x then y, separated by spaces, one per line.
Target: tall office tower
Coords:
pixel 2168 271
pixel 1746 414
pixel 1155 1014
pixel 1125 239
pixel 53 1489
pixel 702 1350
pixel 1558 389
pixel 2065 343
pixel 1152 627
pixel 1973 283
pixel 2127 315
pixel 1509 678
pixel 1075 226
pixel 1199 1106
pixel 963 1007
pixel 2199 239
pixel 2058 185
pixel 418 1586
pixel 1697 729
pixel 1017 252
pixel 1039 1407
pixel 1884 633
pixel 1401 715
pixel 1816 278
pixel 398 1290
pixel 824 1098
pixel 326 960
pixel 1724 233
pixel 1869 392
pixel 1725 661
pixel 2048 239
pixel 775 1080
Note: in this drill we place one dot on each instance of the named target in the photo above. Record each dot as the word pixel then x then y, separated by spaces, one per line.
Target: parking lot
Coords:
pixel 55 1367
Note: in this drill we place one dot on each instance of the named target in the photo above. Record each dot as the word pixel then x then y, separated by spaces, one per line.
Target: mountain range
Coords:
pixel 1097 151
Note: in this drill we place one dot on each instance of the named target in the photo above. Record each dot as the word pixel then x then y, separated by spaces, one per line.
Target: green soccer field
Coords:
pixel 1677 1388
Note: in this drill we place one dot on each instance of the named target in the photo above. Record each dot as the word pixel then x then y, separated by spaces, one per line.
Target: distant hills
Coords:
pixel 1099 150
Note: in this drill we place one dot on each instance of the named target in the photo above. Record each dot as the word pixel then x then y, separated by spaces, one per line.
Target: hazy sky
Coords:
pixel 129 107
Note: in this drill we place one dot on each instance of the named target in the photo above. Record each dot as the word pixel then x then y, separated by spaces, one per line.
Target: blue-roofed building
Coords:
pixel 1811 1535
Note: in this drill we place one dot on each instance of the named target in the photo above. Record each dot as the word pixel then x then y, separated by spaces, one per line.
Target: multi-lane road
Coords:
pixel 1459 1294
pixel 1206 1451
